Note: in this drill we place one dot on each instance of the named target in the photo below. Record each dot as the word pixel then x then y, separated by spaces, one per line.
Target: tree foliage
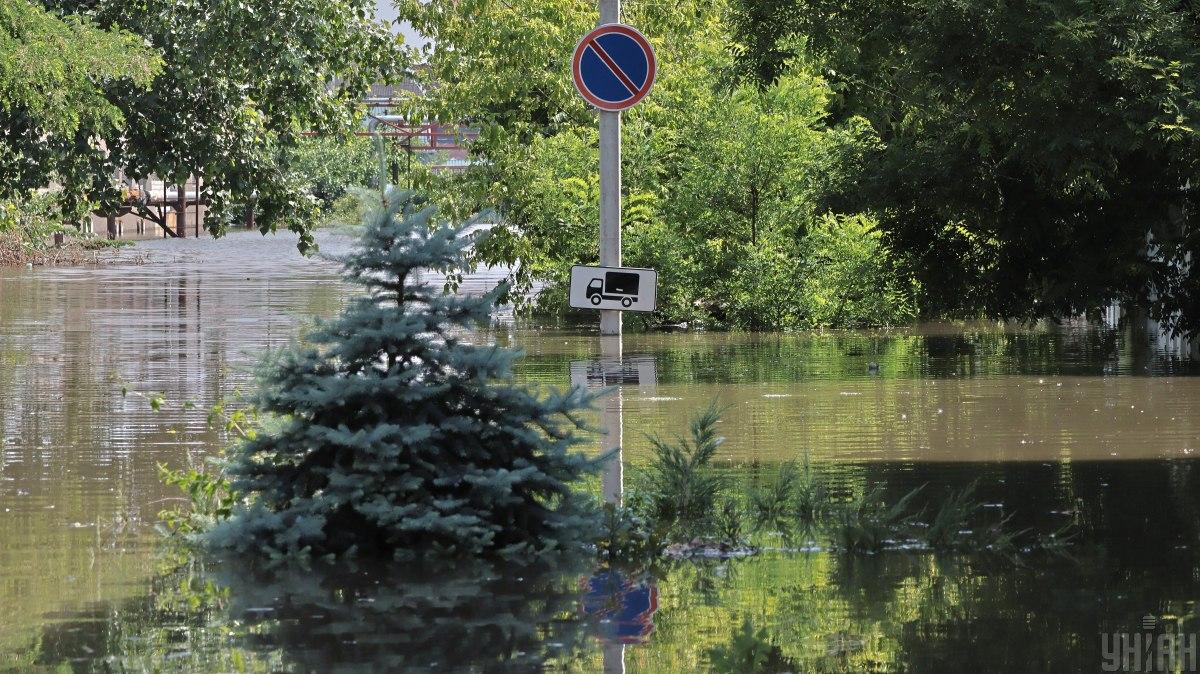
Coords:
pixel 718 177
pixel 329 166
pixel 399 437
pixel 242 81
pixel 1030 150
pixel 53 75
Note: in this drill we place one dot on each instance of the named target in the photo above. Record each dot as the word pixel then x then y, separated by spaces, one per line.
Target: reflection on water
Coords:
pixel 78 475
pixel 321 619
pixel 1060 425
pixel 1136 556
pixel 980 394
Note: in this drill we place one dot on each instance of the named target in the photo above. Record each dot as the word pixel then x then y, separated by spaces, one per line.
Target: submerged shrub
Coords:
pixel 867 523
pixel 209 500
pixel 628 539
pixel 395 437
pixel 811 499
pixel 769 505
pixel 681 487
pixel 948 526
pixel 850 280
pixel 730 523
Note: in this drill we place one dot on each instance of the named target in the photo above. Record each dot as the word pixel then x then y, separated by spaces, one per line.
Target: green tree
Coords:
pixel 242 82
pixel 328 166
pixel 397 436
pixel 53 75
pixel 1029 149
pixel 719 179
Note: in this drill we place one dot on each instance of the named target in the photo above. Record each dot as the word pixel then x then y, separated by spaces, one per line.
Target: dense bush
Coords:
pixel 33 218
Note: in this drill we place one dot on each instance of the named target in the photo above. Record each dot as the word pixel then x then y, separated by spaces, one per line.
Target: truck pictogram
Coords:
pixel 615 286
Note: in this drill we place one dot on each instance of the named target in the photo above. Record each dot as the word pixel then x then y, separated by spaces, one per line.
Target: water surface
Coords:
pixel 1073 424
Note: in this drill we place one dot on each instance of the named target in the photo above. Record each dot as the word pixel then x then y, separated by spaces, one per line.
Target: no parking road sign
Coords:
pixel 614 67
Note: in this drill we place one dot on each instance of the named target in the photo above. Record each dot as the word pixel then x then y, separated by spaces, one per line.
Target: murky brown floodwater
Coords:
pixel 1048 418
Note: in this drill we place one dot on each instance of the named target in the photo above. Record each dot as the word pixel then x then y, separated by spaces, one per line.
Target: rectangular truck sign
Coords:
pixel 619 288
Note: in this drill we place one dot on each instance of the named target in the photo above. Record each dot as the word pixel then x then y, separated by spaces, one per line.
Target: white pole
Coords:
pixel 610 184
pixel 611 422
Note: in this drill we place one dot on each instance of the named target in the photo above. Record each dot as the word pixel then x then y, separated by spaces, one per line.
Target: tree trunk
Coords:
pixel 181 212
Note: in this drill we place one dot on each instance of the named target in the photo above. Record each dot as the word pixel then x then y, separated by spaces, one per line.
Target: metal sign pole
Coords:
pixel 611 426
pixel 610 184
pixel 610 321
pixel 611 417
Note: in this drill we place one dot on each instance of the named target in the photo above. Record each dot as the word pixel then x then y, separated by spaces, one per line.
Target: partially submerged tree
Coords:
pixel 399 437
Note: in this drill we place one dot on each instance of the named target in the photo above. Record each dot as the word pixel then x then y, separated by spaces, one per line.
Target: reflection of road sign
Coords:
pixel 621 288
pixel 630 370
pixel 614 67
pixel 626 607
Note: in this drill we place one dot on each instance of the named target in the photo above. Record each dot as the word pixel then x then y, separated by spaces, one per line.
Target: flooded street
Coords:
pixel 1060 425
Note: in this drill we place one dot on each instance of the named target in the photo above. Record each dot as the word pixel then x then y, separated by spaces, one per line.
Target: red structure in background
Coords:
pixel 431 137
pixel 455 140
pixel 425 138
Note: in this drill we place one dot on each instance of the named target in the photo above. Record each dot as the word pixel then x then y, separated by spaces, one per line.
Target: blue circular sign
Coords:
pixel 614 67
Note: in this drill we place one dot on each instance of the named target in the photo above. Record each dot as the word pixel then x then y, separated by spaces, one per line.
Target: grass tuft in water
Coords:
pixel 949 527
pixel 680 485
pixel 867 524
pixel 628 539
pixel 769 505
pixel 811 499
pixel 730 523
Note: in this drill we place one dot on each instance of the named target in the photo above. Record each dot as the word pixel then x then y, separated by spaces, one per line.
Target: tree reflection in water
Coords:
pixel 394 619
pixel 474 617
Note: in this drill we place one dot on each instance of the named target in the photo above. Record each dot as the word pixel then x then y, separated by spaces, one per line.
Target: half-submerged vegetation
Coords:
pixel 387 435
pixel 391 436
pixel 682 506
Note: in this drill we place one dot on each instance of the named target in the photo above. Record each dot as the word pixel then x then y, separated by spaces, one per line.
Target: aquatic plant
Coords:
pixel 810 501
pixel 680 485
pixel 208 499
pixel 628 538
pixel 396 437
pixel 949 526
pixel 208 496
pixel 867 524
pixel 956 525
pixel 730 523
pixel 1057 542
pixel 769 504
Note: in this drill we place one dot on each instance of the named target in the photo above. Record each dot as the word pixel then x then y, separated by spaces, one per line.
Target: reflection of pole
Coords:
pixel 612 483
pixel 614 658
pixel 610 184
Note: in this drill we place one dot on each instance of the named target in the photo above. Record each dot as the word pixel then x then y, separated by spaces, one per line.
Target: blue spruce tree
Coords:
pixel 398 437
